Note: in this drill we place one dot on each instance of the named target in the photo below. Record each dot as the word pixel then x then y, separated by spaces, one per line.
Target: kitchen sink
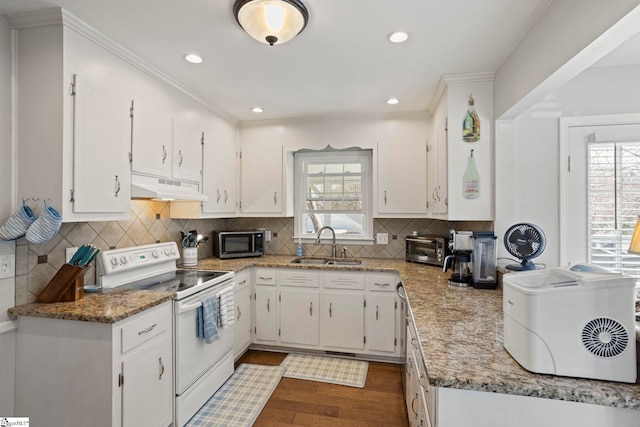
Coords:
pixel 327 261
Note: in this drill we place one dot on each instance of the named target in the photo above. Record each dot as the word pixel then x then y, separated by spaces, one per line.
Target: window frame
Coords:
pixel 330 155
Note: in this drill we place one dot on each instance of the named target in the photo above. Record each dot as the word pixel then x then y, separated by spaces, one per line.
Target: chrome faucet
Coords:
pixel 333 244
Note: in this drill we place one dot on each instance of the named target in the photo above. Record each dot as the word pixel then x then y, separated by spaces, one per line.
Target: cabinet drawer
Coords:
pixel 266 276
pixel 147 326
pixel 381 282
pixel 340 280
pixel 241 280
pixel 306 279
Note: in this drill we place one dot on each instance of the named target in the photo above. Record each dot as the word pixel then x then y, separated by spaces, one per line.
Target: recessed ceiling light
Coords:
pixel 398 36
pixel 257 109
pixel 194 58
pixel 392 101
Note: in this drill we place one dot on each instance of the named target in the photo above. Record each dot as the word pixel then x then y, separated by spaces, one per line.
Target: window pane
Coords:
pixel 343 224
pixel 614 204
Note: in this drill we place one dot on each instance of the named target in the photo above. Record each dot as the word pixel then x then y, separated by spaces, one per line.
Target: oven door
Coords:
pixel 193 356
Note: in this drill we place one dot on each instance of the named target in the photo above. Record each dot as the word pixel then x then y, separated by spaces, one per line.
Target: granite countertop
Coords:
pixel 461 332
pixel 100 308
pixel 460 329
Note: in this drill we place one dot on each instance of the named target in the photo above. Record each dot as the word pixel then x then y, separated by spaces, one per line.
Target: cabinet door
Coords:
pixel 299 320
pixel 266 316
pixel 441 187
pixel 242 329
pixel 146 391
pixel 152 141
pixel 219 172
pixel 187 150
pixel 402 177
pixel 343 319
pixel 381 321
pixel 101 178
pixel 261 178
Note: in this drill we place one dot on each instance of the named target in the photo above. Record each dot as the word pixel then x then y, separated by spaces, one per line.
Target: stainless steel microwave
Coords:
pixel 238 244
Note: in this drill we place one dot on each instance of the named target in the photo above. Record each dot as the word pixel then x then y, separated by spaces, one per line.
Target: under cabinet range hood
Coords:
pixel 165 189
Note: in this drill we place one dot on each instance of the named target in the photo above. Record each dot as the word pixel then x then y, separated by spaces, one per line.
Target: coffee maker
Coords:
pixel 484 260
pixel 461 245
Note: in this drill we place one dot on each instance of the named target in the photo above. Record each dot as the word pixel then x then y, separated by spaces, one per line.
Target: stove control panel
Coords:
pixel 137 257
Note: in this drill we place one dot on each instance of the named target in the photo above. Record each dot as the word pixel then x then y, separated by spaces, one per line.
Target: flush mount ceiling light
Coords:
pixel 257 109
pixel 398 37
pixel 392 101
pixel 271 21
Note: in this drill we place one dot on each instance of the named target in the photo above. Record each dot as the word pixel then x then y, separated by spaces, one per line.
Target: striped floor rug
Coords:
pixel 325 369
pixel 239 401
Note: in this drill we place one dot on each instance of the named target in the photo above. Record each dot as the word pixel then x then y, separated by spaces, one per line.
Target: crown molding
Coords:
pixel 340 117
pixel 449 79
pixel 59 16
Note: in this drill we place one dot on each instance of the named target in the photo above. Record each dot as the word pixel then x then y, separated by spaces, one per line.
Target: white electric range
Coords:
pixel 199 368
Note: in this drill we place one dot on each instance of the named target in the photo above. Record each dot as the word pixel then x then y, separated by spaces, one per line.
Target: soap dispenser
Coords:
pixel 299 249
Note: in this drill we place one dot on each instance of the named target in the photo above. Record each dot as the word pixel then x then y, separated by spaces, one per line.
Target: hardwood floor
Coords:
pixel 308 403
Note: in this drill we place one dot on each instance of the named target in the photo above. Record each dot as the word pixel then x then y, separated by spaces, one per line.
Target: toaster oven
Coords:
pixel 426 249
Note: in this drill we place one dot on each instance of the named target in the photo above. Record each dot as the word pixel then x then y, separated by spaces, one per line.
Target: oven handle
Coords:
pixel 185 308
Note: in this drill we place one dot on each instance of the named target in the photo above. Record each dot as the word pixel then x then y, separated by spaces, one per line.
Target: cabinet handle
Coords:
pixel 311 309
pixel 243 282
pixel 414 343
pixel 239 314
pixel 433 194
pixel 415 414
pixel 268 307
pixel 384 285
pixel 330 310
pixel 265 278
pixel 420 378
pixel 181 158
pixel 164 154
pixel 149 329
pixel 226 197
pixel 385 197
pixel 161 368
pixel 275 197
pixel 218 196
pixel 377 317
pixel 438 193
pixel 117 185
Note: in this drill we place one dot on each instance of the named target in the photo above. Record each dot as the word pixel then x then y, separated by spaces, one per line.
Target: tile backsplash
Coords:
pixel 150 223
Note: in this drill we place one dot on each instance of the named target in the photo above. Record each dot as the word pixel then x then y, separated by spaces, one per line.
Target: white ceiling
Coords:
pixel 341 64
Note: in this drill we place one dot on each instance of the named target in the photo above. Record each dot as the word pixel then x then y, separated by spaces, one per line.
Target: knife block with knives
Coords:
pixel 68 282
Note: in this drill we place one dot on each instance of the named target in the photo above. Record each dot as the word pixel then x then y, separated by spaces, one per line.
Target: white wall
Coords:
pixel 7 286
pixel 527 173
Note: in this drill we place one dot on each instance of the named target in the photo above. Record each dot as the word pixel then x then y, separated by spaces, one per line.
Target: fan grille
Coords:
pixel 524 241
pixel 605 337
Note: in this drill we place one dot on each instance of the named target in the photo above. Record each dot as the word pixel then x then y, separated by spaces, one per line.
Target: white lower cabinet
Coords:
pixel 299 319
pixel 341 311
pixel 76 373
pixel 419 395
pixel 266 306
pixel 242 328
pixel 343 320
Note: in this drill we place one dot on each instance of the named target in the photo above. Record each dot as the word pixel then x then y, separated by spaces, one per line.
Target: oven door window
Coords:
pixel 238 244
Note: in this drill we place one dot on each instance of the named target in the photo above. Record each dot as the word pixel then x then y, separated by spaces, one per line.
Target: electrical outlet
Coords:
pixel 267 235
pixel 69 253
pixel 7 266
pixel 382 238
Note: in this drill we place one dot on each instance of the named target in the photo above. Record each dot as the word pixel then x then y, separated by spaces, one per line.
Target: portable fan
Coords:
pixel 524 241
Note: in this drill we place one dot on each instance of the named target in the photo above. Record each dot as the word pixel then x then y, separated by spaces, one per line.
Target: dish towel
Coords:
pixel 226 314
pixel 206 320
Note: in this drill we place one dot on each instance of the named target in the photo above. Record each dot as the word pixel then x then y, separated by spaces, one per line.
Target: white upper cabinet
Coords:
pixel 101 138
pixel 187 150
pixel 152 141
pixel 73 130
pixel 220 169
pixel 262 176
pixel 402 177
pixel 448 199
